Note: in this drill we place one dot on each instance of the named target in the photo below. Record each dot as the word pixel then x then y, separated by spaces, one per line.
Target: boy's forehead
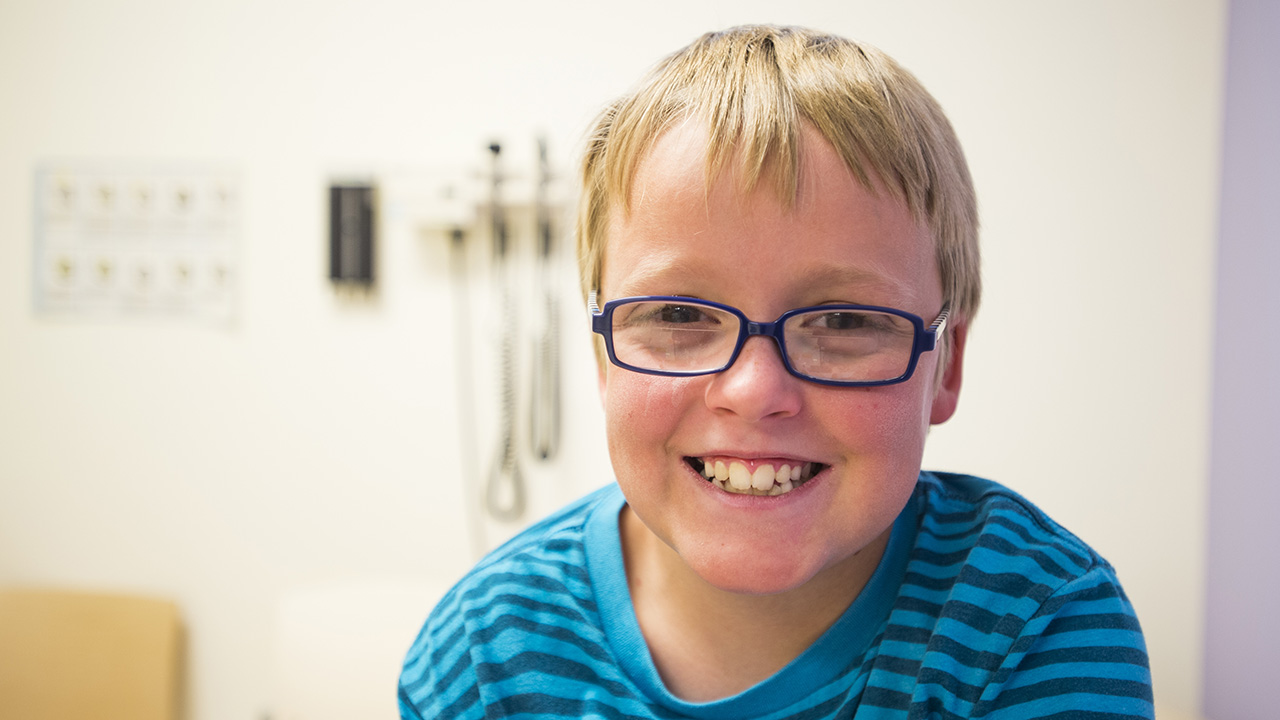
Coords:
pixel 670 181
pixel 674 160
pixel 665 268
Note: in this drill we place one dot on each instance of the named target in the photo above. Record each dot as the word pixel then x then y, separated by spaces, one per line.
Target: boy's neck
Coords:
pixel 709 643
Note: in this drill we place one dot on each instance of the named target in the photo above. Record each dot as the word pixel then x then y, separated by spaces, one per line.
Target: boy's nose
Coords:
pixel 757 385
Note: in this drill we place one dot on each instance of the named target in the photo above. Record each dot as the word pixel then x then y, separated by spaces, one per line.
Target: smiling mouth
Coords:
pixel 766 479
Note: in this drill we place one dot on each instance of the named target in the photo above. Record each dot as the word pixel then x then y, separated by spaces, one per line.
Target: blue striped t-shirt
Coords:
pixel 982 607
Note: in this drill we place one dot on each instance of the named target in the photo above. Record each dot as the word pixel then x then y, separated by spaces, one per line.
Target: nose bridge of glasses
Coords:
pixel 772 330
pixel 768 329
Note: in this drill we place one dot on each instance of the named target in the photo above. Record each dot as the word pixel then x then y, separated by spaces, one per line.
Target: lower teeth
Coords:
pixel 775 490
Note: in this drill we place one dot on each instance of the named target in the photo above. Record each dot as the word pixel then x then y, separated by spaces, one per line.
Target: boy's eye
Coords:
pixel 839 320
pixel 680 314
pixel 662 314
pixel 850 324
pixel 842 321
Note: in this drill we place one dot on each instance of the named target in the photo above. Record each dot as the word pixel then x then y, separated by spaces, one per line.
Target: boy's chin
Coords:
pixel 751 576
pixel 811 571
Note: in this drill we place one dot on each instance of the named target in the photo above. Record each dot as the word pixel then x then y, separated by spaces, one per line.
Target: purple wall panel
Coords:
pixel 1242 641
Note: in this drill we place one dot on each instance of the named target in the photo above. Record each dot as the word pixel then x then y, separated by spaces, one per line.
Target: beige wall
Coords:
pixel 308 456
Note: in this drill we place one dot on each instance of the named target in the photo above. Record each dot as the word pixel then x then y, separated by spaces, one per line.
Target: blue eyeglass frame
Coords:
pixel 925 340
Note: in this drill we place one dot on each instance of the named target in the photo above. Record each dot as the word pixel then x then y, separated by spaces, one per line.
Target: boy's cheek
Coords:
pixel 652 402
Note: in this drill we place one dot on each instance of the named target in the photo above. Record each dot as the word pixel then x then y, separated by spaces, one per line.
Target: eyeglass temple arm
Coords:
pixel 595 315
pixel 938 326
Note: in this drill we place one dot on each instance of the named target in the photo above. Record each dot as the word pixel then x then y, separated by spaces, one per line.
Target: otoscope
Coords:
pixel 544 407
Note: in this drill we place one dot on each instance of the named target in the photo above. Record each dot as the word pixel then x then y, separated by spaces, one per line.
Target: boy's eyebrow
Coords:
pixel 884 287
pixel 842 275
pixel 659 266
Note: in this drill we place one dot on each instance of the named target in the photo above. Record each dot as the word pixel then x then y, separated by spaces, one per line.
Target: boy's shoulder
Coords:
pixel 519 606
pixel 966 513
pixel 545 561
pixel 551 535
pixel 988 559
pixel 1027 610
pixel 553 546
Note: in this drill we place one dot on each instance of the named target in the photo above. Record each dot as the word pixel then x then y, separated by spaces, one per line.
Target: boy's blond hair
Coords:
pixel 752 87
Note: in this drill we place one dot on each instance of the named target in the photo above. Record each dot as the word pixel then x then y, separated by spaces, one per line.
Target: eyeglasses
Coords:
pixel 844 345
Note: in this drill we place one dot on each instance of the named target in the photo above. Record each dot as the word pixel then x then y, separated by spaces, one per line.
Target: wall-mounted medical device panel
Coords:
pixel 118 240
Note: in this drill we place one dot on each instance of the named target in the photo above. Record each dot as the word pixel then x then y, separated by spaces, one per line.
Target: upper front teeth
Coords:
pixel 735 477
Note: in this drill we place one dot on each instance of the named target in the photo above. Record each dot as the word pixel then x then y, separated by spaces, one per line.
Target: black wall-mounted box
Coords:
pixel 352 229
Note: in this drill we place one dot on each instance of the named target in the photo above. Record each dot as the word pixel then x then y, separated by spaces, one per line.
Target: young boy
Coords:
pixel 772 548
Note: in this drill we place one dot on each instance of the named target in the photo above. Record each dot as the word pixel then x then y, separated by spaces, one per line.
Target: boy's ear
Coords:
pixel 947 395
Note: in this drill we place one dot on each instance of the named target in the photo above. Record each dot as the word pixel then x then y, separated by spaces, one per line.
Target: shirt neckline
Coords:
pixel 843 643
